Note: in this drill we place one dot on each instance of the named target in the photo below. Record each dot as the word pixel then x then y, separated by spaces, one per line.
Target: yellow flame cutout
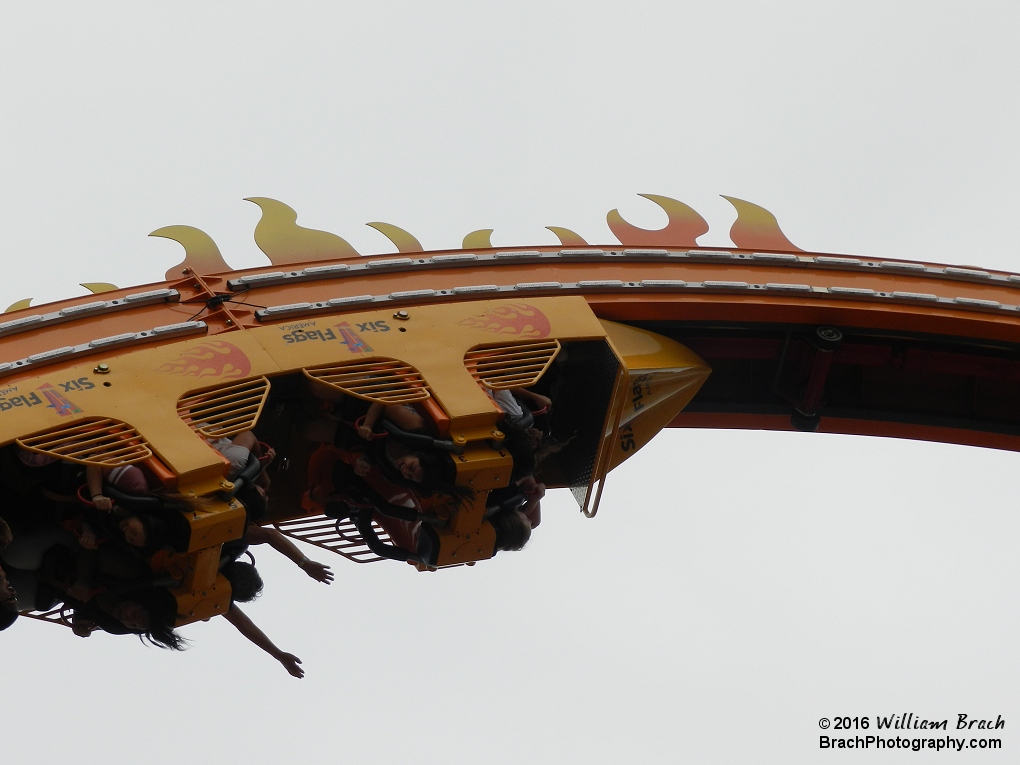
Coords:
pixel 19 305
pixel 478 240
pixel 96 287
pixel 567 237
pixel 201 255
pixel 404 241
pixel 683 229
pixel 757 229
pixel 285 242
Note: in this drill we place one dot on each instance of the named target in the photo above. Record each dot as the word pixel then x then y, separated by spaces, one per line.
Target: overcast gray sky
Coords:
pixel 735 587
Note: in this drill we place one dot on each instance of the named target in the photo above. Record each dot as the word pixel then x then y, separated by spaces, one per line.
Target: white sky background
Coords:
pixel 735 587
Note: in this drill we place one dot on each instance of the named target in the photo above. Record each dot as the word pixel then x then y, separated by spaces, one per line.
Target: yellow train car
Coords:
pixel 156 377
pixel 623 339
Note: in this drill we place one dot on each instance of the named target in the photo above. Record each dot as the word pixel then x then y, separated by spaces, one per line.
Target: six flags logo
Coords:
pixel 350 338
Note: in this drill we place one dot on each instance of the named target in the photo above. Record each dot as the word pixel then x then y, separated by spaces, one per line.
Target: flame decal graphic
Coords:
pixel 213 358
pixel 516 319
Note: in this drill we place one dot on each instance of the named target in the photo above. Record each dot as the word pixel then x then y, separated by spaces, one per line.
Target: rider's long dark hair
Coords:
pixel 245 581
pixel 512 530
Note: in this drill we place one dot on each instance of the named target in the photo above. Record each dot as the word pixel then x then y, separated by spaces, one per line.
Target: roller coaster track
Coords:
pixel 912 350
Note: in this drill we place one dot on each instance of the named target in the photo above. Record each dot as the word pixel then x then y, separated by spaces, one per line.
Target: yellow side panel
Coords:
pixel 434 340
pixel 643 428
pixel 141 387
pixel 202 602
pixel 213 523
pixel 663 378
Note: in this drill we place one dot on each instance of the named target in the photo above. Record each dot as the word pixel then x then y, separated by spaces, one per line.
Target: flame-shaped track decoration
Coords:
pixel 567 237
pixel 404 241
pixel 201 255
pixel 683 229
pixel 285 242
pixel 478 240
pixel 19 305
pixel 97 287
pixel 757 229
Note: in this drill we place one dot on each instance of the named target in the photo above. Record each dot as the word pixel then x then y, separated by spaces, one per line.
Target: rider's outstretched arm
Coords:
pixel 257 535
pixel 247 628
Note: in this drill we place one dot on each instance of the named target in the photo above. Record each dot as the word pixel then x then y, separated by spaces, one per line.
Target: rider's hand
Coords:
pixel 292 664
pixel 320 572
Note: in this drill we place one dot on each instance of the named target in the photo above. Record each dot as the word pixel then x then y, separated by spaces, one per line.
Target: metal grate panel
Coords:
pixel 105 442
pixel 59 616
pixel 386 381
pixel 342 538
pixel 225 410
pixel 518 365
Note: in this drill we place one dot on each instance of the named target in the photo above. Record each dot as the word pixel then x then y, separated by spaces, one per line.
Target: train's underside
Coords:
pixel 857 381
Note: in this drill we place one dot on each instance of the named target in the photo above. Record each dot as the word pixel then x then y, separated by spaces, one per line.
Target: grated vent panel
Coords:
pixel 386 381
pixel 225 410
pixel 105 442
pixel 519 365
